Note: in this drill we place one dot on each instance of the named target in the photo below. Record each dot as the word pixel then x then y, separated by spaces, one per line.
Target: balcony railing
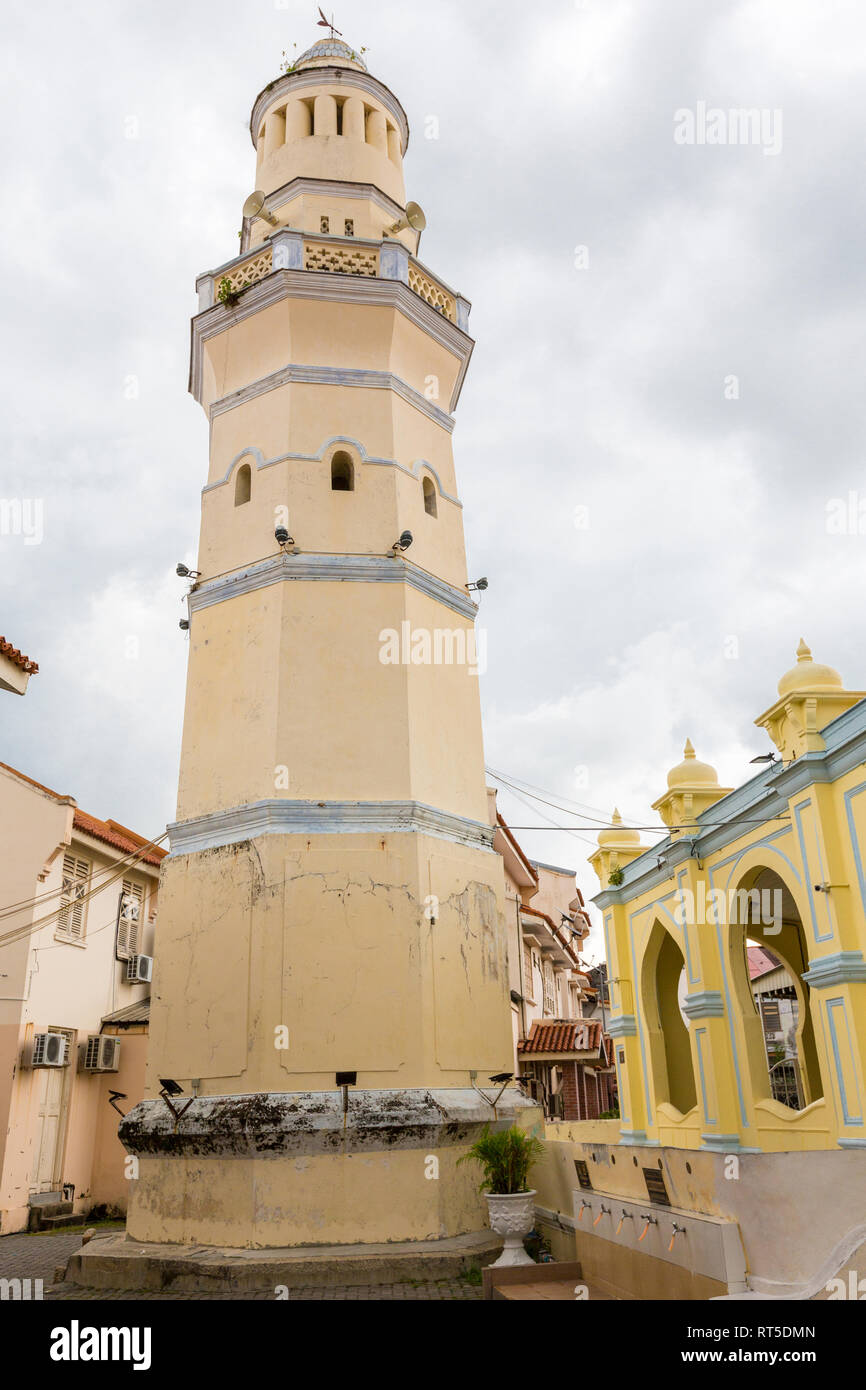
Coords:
pixel 292 250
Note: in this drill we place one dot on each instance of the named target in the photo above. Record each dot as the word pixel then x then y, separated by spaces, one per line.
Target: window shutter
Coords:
pixel 527 971
pixel 549 988
pixel 129 913
pixel 76 873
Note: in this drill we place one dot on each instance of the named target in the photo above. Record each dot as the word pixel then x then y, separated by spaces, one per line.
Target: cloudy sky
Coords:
pixel 664 405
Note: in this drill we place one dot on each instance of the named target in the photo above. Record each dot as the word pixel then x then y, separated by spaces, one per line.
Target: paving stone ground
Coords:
pixel 38 1256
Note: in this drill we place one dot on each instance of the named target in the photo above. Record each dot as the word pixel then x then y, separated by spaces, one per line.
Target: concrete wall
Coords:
pixel 794 1212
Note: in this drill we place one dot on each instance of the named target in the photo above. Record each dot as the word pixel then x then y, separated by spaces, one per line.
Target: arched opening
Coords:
pixel 430 497
pixel 342 473
pixel 670 1047
pixel 243 485
pixel 769 957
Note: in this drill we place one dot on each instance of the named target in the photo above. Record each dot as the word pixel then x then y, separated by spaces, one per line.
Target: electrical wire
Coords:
pixel 28 928
pixel 551 823
pixel 655 829
pixel 530 787
pixel 12 909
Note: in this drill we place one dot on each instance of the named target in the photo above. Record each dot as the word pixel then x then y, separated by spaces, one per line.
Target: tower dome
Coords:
pixel 809 674
pixel 617 835
pixel 331 52
pixel 691 772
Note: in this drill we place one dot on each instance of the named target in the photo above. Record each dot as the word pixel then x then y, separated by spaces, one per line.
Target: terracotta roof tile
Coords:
pixel 562 1035
pixel 17 658
pixel 111 834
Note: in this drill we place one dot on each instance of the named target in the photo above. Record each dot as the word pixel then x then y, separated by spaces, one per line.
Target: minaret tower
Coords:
pixel 332 903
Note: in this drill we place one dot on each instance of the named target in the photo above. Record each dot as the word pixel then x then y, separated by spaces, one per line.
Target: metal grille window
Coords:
pixel 72 915
pixel 129 917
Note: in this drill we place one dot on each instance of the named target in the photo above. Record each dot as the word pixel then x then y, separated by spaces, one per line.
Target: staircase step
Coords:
pixel 54 1223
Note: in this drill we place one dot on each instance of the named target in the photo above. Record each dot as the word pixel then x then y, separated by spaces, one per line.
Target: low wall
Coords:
pixel 799 1215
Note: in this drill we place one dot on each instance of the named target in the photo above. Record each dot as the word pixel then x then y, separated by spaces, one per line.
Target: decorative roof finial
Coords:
pixel 325 23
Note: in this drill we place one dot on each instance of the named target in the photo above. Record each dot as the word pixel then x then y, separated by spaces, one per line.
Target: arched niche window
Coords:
pixel 430 497
pixel 243 485
pixel 342 473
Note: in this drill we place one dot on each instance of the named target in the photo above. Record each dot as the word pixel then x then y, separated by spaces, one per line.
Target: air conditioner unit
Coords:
pixel 50 1050
pixel 139 970
pixel 103 1054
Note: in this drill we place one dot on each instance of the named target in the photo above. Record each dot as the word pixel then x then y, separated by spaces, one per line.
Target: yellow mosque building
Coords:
pixel 735 1168
pixel 331 995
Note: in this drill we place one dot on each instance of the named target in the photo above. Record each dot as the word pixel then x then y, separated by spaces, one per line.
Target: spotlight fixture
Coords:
pixel 184 624
pixel 170 1088
pixel 345 1079
pixel 765 758
pixel 413 217
pixel 501 1079
pixel 254 205
pixel 284 540
pixel 479 584
pixel 406 539
pixel 183 572
pixel 660 863
pixel 113 1098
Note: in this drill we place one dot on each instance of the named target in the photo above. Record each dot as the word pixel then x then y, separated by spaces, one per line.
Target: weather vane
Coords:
pixel 325 23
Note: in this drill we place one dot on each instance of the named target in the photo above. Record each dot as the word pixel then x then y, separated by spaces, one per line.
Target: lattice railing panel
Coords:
pixel 434 294
pixel 340 260
pixel 247 273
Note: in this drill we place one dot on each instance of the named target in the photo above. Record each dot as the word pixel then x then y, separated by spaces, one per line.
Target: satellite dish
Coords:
pixel 253 207
pixel 413 217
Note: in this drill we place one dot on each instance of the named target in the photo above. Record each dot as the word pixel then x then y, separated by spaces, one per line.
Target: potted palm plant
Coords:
pixel 505 1157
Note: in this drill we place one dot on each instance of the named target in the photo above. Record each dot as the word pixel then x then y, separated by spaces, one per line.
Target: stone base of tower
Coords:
pixel 118 1262
pixel 288 1184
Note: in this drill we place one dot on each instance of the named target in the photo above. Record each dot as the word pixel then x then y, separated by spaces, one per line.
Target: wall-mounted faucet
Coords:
pixel 626 1216
pixel 677 1231
pixel 604 1210
pixel 650 1221
pixel 584 1206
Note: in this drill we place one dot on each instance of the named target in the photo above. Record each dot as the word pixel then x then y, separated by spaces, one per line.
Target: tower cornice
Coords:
pixel 359 569
pixel 314 77
pixel 322 285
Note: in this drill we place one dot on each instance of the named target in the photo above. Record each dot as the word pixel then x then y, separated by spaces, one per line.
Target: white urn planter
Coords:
pixel 512 1215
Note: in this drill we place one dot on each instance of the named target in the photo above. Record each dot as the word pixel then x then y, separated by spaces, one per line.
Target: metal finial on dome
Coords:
pixel 326 23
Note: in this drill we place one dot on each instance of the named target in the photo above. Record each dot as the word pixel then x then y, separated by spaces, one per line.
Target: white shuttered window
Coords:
pixel 129 919
pixel 71 918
